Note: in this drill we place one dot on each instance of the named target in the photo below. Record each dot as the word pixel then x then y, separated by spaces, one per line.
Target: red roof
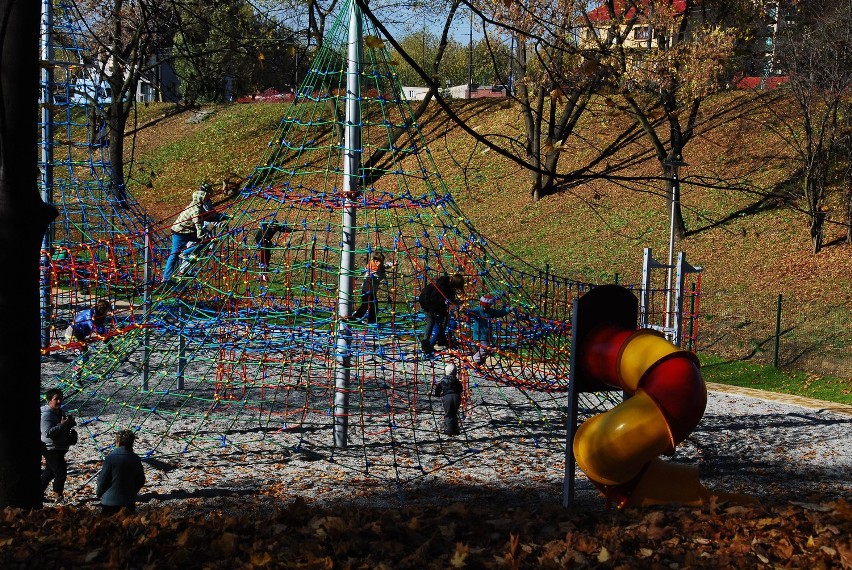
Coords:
pixel 601 13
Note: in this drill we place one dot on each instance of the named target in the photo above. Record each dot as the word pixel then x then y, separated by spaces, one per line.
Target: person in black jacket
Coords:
pixel 121 476
pixel 435 300
pixel 265 239
pixel 449 389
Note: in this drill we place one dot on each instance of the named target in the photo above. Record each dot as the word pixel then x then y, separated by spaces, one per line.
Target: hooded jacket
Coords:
pixel 436 296
pixel 480 325
pixel 189 222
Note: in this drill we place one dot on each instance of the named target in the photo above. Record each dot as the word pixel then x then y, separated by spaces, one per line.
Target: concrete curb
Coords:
pixel 800 401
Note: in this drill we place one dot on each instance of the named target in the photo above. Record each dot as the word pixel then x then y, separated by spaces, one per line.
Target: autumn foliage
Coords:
pixel 266 533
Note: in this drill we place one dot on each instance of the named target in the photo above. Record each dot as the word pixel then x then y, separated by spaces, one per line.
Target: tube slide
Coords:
pixel 618 449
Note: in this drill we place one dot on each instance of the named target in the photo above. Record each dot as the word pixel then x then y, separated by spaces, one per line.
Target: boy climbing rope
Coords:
pixel 88 323
pixel 480 326
pixel 264 238
pixel 374 274
pixel 195 222
pixel 188 228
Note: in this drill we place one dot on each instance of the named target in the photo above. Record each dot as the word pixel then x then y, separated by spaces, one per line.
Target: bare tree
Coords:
pixel 550 86
pixel 23 220
pixel 130 39
pixel 816 53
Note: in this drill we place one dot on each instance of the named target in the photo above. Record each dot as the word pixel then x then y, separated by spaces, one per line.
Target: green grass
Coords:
pixel 771 379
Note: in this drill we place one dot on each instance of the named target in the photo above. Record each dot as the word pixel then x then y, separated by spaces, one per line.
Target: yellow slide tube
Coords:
pixel 612 448
pixel 641 351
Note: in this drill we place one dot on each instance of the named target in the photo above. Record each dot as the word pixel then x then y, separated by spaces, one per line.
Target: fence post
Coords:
pixel 777 330
pixel 147 277
pixel 689 340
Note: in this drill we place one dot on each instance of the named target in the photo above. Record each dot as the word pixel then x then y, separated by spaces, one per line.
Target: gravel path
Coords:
pixel 772 450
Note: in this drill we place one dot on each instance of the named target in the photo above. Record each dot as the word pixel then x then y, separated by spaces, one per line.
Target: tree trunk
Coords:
pixel 23 220
pixel 116 123
pixel 675 209
pixel 813 194
pixel 848 195
pixel 533 121
pixel 817 226
pixel 816 180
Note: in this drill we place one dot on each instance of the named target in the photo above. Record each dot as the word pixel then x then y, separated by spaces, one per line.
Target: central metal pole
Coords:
pixel 351 191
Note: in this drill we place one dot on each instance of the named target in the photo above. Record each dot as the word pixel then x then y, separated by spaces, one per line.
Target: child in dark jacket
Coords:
pixel 265 240
pixel 449 389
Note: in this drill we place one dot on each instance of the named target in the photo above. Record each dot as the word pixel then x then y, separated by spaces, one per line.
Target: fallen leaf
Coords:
pixel 459 556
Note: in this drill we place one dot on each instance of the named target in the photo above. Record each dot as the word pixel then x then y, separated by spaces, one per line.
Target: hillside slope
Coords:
pixel 752 249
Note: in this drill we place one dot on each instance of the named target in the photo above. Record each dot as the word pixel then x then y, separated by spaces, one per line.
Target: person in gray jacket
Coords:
pixel 55 427
pixel 121 476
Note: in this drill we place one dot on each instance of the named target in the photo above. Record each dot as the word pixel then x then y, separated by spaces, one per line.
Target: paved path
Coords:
pixel 809 403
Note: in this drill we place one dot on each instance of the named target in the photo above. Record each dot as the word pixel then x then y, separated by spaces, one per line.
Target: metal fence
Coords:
pixel 778 329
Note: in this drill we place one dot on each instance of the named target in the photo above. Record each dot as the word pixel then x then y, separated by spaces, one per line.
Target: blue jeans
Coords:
pixel 435 331
pixel 179 242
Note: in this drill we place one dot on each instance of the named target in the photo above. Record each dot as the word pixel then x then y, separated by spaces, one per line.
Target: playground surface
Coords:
pixel 774 447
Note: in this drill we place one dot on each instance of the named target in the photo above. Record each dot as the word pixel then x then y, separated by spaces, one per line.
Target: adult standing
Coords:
pixel 121 476
pixel 435 300
pixel 55 427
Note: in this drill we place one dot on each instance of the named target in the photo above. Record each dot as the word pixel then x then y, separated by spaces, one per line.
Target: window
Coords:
pixel 642 33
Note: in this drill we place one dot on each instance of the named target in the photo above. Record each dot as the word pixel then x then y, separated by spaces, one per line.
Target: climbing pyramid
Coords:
pixel 251 347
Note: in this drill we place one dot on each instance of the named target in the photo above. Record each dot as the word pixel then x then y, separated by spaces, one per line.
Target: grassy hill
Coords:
pixel 752 249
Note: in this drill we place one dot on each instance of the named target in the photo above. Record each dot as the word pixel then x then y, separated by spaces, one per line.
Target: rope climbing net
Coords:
pixel 254 343
pixel 94 250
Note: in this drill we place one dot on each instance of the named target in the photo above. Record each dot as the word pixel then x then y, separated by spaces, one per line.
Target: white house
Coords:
pixel 415 93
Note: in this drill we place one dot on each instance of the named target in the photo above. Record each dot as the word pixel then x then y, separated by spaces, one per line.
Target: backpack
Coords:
pixel 429 297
